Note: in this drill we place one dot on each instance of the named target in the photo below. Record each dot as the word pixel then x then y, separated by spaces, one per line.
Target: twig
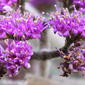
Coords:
pixel 21 3
pixel 45 55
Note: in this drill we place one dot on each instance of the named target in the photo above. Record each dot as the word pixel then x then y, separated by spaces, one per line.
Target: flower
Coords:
pixel 68 24
pixel 80 3
pixel 21 27
pixel 16 55
pixel 74 60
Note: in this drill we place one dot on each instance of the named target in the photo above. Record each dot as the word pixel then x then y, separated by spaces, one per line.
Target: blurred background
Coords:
pixel 44 72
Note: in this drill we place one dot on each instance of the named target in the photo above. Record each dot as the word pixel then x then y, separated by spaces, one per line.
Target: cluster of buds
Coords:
pixel 74 59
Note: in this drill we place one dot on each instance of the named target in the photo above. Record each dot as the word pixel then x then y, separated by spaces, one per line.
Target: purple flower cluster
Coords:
pixel 21 27
pixel 68 24
pixel 80 3
pixel 16 55
pixel 72 26
pixel 74 60
pixel 6 3
pixel 18 28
